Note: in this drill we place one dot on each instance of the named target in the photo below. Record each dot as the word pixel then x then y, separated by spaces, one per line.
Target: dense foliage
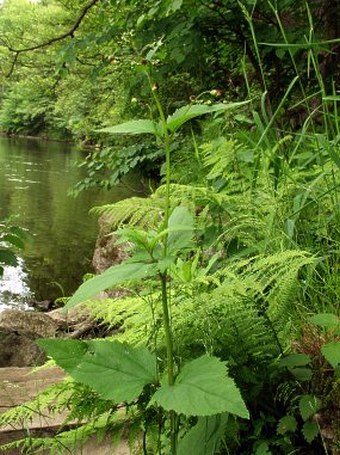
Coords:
pixel 231 294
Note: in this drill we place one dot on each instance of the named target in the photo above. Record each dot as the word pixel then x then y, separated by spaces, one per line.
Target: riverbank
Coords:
pixel 83 145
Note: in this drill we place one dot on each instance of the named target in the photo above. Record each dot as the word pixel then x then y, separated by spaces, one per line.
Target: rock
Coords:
pixel 28 323
pixel 19 351
pixel 107 252
pixel 66 320
pixel 18 332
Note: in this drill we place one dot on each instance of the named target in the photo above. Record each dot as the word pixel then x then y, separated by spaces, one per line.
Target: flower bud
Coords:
pixel 216 92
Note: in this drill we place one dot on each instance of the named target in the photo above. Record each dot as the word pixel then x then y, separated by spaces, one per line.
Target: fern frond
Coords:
pixel 148 212
pixel 137 317
pixel 277 276
pixel 144 212
pixel 225 322
pixel 227 162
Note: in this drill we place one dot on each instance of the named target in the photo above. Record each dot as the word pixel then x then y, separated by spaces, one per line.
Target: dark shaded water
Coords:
pixel 34 179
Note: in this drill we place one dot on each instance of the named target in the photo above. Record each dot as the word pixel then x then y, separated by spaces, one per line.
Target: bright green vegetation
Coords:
pixel 229 334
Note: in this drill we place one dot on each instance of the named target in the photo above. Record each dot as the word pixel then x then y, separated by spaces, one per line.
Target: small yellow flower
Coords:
pixel 216 92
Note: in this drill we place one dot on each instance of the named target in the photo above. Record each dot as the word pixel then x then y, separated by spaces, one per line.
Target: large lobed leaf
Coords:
pixel 115 370
pixel 113 276
pixel 141 126
pixel 190 111
pixel 202 388
pixel 174 121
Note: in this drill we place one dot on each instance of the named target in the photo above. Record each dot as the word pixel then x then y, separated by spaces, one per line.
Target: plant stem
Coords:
pixel 167 329
pixel 164 274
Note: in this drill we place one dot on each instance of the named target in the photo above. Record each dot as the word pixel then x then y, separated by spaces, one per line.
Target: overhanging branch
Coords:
pixel 68 33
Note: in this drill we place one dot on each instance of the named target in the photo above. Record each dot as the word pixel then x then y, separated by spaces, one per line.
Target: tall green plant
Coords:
pixel 120 372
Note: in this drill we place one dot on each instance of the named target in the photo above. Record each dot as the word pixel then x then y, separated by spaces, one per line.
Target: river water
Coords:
pixel 35 177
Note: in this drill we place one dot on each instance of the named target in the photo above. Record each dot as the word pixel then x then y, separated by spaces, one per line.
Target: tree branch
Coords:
pixel 61 37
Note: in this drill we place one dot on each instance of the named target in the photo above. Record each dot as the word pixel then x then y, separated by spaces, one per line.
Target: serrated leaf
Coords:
pixel 287 424
pixel 205 437
pixel 142 126
pixel 331 351
pixel 308 406
pixel 202 388
pixel 115 370
pixel 180 228
pixel 66 353
pixel 113 276
pixel 191 111
pixel 310 430
pixel 327 320
pixel 295 360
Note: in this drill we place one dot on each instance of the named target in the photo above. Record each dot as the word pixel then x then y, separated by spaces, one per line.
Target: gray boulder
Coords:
pixel 18 332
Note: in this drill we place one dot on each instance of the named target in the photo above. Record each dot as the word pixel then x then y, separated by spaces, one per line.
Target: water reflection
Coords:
pixel 14 290
pixel 35 177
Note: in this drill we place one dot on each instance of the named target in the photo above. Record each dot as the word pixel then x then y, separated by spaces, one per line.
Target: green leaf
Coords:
pixel 205 437
pixel 202 388
pixel 181 229
pixel 310 430
pixel 308 45
pixel 331 98
pixel 133 127
pixel 67 353
pixel 331 351
pixel 115 275
pixel 302 374
pixel 175 5
pixel 295 360
pixel 19 232
pixel 190 111
pixel 287 424
pixel 14 240
pixel 308 406
pixel 263 449
pixel 327 320
pixel 115 370
pixel 7 257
